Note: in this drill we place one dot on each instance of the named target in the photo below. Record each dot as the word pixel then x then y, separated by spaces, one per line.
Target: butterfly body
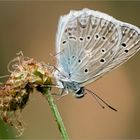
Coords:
pixel 88 45
pixel 70 86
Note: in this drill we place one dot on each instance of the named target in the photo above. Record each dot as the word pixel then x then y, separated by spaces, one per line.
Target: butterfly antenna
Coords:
pixel 97 97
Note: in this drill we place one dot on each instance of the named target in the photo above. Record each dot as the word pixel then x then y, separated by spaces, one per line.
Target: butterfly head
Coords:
pixel 80 93
pixel 74 87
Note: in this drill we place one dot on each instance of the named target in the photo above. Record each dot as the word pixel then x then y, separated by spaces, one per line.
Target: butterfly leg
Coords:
pixel 62 93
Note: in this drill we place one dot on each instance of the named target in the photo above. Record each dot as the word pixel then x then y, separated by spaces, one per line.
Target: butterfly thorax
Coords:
pixel 68 85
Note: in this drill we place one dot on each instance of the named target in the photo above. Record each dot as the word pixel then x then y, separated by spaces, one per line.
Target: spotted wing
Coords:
pixel 91 43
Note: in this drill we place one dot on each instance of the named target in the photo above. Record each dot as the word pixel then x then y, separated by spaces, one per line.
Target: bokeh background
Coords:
pixel 31 27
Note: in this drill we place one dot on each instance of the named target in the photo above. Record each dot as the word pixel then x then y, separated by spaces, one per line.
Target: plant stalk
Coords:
pixel 55 112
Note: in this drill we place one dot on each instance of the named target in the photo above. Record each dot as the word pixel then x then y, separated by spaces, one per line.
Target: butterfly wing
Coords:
pixel 128 46
pixel 91 43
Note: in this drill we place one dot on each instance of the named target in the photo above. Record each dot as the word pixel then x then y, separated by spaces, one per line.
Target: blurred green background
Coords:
pixel 31 27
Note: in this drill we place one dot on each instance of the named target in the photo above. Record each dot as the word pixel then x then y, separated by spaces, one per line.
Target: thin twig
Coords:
pixel 55 112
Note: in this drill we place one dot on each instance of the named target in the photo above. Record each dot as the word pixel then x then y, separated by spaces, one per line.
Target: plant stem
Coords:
pixel 55 112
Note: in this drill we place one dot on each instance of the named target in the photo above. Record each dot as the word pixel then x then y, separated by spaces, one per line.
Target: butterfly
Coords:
pixel 90 44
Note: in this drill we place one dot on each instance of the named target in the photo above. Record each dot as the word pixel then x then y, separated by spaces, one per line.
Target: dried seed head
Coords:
pixel 26 74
